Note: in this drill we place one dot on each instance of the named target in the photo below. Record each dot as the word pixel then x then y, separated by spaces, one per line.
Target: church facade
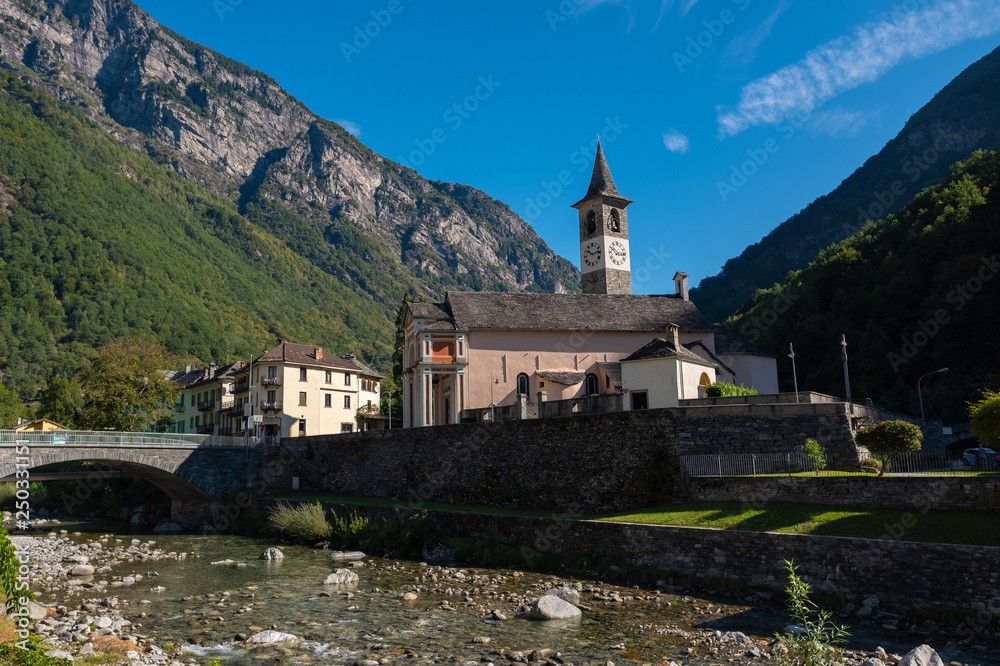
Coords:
pixel 477 349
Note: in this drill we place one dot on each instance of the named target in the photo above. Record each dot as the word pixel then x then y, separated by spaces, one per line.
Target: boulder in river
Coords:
pixel 921 656
pixel 341 577
pixel 82 570
pixel 168 526
pixel 551 607
pixel 270 637
pixel 272 554
pixel 567 594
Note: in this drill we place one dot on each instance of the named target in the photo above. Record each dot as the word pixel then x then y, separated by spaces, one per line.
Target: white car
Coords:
pixel 971 457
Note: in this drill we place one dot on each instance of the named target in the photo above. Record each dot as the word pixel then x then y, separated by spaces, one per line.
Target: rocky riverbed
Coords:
pixel 184 599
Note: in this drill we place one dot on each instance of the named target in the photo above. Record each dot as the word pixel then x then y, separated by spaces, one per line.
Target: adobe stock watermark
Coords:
pixel 958 298
pixel 454 117
pixel 364 34
pixel 223 7
pixel 564 12
pixel 753 329
pixel 740 174
pixel 583 159
pixel 697 43
pixel 914 167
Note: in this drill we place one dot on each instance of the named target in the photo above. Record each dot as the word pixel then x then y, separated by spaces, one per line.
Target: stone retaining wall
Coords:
pixel 588 463
pixel 902 574
pixel 943 493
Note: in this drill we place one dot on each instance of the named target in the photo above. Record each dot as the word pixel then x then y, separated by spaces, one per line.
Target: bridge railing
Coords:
pixel 108 439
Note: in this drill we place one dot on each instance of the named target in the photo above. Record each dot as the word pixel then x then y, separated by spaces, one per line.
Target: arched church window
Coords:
pixel 522 384
pixel 613 221
pixel 591 384
pixel 591 222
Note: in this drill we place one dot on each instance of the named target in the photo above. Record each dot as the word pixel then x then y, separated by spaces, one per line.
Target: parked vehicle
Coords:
pixel 980 457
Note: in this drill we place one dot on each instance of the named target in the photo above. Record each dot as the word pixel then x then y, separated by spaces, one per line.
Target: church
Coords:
pixel 474 350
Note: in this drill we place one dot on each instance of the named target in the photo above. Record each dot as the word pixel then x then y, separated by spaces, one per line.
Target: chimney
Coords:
pixel 674 335
pixel 213 369
pixel 319 354
pixel 350 356
pixel 681 285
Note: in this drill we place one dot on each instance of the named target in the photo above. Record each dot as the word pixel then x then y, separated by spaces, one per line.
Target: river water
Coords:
pixel 203 609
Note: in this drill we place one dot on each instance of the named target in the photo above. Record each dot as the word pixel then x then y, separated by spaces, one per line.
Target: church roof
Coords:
pixel 663 348
pixel 601 182
pixel 571 312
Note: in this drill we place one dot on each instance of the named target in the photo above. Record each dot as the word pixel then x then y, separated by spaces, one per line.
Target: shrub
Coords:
pixel 984 417
pixel 815 453
pixel 814 644
pixel 722 390
pixel 349 529
pixel 305 523
pixel 890 439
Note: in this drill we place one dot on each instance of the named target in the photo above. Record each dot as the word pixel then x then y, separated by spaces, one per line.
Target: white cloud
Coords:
pixel 862 57
pixel 838 121
pixel 688 4
pixel 351 126
pixel 676 142
pixel 743 49
pixel 665 6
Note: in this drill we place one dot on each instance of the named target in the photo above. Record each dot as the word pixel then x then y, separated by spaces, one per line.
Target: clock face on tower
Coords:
pixel 617 253
pixel 592 254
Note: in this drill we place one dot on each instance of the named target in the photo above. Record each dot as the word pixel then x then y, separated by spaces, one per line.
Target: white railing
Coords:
pixel 106 439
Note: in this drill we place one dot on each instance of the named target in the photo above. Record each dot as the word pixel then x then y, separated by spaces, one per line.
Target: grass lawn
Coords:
pixel 980 529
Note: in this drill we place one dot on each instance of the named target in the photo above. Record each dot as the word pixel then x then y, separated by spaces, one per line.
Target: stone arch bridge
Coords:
pixel 194 471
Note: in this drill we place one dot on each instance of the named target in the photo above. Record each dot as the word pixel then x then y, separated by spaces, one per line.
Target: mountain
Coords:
pixel 913 293
pixel 208 208
pixel 963 117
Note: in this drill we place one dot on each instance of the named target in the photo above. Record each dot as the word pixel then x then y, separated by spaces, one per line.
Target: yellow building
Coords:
pixel 38 425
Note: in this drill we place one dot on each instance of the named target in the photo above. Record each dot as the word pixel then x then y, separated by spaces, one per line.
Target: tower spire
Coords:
pixel 601 182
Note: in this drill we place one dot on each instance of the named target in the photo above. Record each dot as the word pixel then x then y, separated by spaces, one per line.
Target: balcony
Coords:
pixel 225 432
pixel 241 387
pixel 266 406
pixel 206 406
pixel 206 429
pixel 233 409
pixel 271 381
pixel 179 407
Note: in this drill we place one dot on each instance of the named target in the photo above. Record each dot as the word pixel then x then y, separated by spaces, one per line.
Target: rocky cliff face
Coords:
pixel 235 130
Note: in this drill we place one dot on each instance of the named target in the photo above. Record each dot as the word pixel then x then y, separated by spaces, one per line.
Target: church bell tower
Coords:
pixel 605 259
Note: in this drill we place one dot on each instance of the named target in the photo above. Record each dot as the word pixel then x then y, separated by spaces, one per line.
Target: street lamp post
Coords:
pixel 847 376
pixel 920 396
pixel 795 376
pixel 493 409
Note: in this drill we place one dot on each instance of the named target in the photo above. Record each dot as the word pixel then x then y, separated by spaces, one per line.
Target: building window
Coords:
pixel 347 402
pixel 640 400
pixel 329 399
pixel 522 384
pixel 613 221
pixel 302 427
pixel 302 398
pixel 329 377
pixel 272 397
pixel 347 379
pixel 302 374
pixel 607 381
pixel 346 427
pixel 591 222
pixel 272 371
pixel 591 384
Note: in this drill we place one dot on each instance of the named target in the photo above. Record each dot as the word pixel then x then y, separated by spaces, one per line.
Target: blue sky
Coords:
pixel 509 97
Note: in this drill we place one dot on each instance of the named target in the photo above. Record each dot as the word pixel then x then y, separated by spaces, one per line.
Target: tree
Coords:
pixel 397 349
pixel 126 388
pixel 890 439
pixel 10 407
pixel 984 417
pixel 61 402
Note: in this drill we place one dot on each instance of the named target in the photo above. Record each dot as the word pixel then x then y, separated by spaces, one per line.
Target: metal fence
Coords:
pixel 919 463
pixel 105 439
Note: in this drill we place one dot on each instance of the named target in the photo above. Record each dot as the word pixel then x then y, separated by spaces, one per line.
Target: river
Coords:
pixel 197 612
